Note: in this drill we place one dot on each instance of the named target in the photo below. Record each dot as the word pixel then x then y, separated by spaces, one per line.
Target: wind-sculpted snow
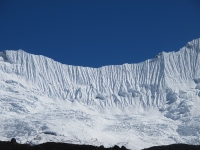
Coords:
pixel 110 86
pixel 130 104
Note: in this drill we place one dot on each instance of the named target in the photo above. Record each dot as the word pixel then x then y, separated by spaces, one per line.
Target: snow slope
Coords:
pixel 154 102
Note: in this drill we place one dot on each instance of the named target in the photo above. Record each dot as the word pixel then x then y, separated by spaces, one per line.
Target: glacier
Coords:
pixel 155 102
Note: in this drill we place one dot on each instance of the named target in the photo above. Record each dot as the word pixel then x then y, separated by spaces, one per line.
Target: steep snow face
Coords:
pixel 104 103
pixel 143 84
pixel 110 86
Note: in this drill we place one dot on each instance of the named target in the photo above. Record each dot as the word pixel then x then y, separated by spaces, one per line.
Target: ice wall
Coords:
pixel 152 83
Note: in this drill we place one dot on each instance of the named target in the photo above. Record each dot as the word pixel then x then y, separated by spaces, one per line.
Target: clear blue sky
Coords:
pixel 96 33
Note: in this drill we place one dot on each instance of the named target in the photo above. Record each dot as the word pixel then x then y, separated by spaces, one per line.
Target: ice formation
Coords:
pixel 154 102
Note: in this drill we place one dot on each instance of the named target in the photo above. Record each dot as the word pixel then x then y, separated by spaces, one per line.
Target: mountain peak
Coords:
pixel 44 100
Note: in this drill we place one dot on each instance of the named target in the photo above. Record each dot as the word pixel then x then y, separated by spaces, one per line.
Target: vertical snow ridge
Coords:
pixel 184 64
pixel 141 84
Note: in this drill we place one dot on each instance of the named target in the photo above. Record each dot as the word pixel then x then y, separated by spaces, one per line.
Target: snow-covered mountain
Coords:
pixel 154 102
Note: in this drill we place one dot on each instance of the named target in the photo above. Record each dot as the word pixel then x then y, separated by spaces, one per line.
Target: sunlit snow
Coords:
pixel 154 102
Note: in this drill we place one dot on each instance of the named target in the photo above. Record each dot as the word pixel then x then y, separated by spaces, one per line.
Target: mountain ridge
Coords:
pixel 107 101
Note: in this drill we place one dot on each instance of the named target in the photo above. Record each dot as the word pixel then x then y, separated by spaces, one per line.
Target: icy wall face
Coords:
pixel 156 82
pixel 42 100
pixel 110 86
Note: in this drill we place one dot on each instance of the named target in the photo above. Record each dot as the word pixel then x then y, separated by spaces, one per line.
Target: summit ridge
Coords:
pixel 43 100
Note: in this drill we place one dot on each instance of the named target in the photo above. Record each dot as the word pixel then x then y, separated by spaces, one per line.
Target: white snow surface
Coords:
pixel 155 102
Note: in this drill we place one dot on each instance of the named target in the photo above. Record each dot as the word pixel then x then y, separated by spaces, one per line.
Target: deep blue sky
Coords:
pixel 96 33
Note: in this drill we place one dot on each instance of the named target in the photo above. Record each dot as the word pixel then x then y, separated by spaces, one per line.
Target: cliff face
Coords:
pixel 142 84
pixel 168 85
pixel 110 86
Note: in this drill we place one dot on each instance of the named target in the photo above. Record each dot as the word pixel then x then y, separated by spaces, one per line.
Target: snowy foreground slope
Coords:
pixel 151 103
